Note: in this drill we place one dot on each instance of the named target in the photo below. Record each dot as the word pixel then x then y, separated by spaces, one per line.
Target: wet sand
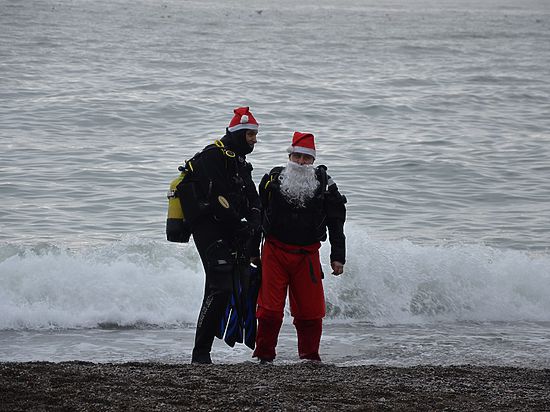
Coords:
pixel 251 387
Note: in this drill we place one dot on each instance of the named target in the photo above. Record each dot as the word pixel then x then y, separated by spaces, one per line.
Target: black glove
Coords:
pixel 255 219
pixel 244 231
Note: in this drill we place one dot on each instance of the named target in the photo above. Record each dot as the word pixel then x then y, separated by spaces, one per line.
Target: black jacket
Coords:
pixel 306 225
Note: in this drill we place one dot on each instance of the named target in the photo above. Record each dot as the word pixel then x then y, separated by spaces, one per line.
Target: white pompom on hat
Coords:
pixel 242 119
pixel 303 143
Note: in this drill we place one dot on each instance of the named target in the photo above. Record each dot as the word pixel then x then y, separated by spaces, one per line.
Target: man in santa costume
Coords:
pixel 299 202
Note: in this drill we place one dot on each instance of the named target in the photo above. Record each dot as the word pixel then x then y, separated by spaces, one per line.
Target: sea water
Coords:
pixel 433 117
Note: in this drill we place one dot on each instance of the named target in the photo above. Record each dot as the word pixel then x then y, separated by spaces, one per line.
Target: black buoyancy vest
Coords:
pixel 198 192
pixel 290 223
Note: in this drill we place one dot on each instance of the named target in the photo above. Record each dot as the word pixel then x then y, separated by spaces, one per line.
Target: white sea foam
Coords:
pixel 135 283
pixel 390 282
pixel 121 284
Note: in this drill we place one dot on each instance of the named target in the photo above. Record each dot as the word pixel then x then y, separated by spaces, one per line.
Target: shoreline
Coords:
pixel 253 387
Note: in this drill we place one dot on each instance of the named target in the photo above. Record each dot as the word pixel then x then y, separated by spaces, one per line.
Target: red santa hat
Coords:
pixel 243 119
pixel 302 143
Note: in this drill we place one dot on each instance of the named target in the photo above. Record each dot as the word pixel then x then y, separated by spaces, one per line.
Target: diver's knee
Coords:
pixel 220 266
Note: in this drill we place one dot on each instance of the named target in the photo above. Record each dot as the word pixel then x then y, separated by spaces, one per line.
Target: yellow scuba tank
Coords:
pixel 177 228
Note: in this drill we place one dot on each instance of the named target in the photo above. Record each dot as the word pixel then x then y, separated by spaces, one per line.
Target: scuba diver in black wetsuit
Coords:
pixel 221 203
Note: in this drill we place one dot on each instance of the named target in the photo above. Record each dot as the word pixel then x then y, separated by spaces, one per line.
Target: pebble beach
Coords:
pixel 248 386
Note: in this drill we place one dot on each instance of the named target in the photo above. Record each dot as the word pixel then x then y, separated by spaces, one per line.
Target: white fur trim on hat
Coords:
pixel 249 126
pixel 300 149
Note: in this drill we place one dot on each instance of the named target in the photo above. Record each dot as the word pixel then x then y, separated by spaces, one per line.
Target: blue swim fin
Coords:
pixel 238 323
pixel 224 321
pixel 234 331
pixel 249 307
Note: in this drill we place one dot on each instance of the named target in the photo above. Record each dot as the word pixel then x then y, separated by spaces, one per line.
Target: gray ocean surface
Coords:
pixel 432 116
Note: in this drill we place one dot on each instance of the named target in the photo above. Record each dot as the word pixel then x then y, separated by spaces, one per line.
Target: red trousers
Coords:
pixel 295 269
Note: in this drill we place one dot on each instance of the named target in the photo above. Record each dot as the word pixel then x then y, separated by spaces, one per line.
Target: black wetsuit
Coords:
pixel 222 237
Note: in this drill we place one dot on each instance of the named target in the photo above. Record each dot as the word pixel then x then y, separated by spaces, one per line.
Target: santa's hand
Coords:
pixel 337 268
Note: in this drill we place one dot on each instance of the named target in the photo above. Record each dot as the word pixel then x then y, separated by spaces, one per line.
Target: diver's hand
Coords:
pixel 243 232
pixel 337 268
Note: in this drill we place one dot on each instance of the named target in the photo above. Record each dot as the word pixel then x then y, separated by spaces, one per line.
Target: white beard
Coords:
pixel 298 183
